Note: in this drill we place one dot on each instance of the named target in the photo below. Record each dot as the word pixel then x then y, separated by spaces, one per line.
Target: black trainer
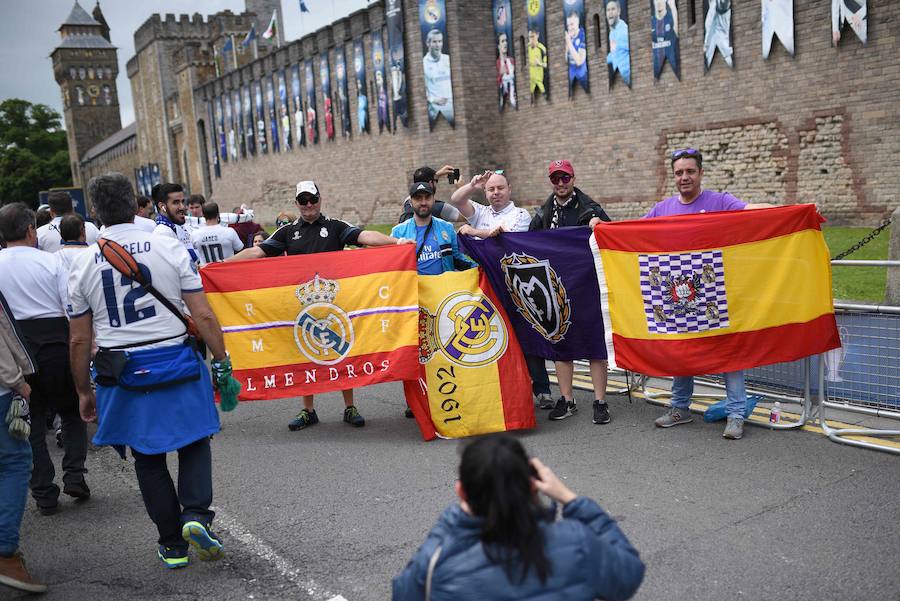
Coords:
pixel 563 409
pixel 352 417
pixel 601 412
pixel 304 419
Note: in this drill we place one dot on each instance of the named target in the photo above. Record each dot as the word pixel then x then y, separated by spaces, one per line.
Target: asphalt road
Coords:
pixel 338 511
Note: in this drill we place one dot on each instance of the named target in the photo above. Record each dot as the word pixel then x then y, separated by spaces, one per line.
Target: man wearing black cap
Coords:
pixel 312 233
pixel 437 249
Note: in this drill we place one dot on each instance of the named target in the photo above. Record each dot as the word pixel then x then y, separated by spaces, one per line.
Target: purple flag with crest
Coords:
pixel 547 283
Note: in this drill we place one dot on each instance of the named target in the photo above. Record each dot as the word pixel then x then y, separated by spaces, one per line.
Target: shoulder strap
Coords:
pixel 424 238
pixel 123 262
pixel 430 573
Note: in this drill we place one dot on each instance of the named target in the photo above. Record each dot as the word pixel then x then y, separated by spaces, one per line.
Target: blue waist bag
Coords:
pixel 718 411
pixel 154 369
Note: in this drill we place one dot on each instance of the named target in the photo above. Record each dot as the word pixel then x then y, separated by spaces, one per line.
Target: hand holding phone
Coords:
pixel 548 483
pixel 453 176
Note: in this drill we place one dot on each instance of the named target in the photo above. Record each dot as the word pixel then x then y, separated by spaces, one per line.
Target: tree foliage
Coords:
pixel 34 153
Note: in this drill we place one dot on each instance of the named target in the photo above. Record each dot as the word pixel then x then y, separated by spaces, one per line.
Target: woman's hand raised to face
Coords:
pixel 548 483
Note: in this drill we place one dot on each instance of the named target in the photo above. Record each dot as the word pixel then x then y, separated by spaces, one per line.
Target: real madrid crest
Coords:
pixel 323 232
pixel 323 331
pixel 431 12
pixel 467 329
pixel 539 295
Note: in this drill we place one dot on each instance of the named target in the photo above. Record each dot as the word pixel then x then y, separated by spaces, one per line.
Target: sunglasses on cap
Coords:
pixel 564 178
pixel 304 200
pixel 690 153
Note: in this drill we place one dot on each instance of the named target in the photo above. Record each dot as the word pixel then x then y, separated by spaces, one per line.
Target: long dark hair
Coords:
pixel 495 475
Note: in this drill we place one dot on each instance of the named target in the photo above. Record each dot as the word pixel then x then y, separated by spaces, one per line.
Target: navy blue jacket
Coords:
pixel 590 558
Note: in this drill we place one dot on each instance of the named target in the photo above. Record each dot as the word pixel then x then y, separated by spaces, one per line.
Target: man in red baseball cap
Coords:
pixel 568 206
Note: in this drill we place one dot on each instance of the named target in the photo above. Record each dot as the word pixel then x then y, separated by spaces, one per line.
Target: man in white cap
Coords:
pixel 312 233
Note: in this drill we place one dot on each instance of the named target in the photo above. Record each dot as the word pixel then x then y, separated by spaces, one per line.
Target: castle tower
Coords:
pixel 99 18
pixel 85 66
pixel 264 10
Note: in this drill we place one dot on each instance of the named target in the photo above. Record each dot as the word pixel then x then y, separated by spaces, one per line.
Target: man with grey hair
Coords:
pixel 154 411
pixel 33 282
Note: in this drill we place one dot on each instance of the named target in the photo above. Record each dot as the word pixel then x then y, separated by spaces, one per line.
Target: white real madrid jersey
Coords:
pixel 50 240
pixel 123 312
pixel 215 243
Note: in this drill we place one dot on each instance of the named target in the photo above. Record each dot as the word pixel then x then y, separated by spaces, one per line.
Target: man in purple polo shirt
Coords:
pixel 687 167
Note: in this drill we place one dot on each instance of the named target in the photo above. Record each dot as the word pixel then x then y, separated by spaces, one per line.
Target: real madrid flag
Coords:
pixel 473 378
pixel 317 323
pixel 716 292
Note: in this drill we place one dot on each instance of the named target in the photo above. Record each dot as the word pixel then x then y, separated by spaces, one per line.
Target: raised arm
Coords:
pixel 461 197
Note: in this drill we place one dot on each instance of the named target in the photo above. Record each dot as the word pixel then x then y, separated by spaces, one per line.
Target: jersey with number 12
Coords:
pixel 123 312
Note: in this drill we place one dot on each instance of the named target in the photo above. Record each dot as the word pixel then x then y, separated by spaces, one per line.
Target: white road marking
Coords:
pixel 258 547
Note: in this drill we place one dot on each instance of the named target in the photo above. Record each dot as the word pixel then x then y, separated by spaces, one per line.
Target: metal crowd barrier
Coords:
pixel 863 376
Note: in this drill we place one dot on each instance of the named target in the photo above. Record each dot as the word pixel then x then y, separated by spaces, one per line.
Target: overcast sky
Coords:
pixel 28 34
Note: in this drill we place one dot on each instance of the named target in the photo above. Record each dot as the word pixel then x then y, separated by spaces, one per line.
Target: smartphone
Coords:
pixel 453 176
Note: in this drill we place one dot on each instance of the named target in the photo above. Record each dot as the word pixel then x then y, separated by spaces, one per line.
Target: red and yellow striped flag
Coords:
pixel 474 379
pixel 716 292
pixel 317 323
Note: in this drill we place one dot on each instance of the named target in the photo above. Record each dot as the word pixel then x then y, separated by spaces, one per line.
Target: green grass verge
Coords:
pixel 858 283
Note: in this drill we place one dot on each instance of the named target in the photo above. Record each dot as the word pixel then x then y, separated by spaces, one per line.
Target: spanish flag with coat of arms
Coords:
pixel 473 377
pixel 716 292
pixel 316 323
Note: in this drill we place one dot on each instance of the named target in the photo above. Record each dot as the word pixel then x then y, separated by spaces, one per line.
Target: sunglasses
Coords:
pixel 692 153
pixel 565 178
pixel 306 200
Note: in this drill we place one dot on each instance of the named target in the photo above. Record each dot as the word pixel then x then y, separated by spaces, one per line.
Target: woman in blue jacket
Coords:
pixel 499 542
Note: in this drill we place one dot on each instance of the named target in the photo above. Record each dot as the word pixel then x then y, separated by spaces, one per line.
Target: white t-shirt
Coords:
pixel 513 218
pixel 33 282
pixel 123 312
pixel 148 225
pixel 215 243
pixel 66 255
pixel 50 240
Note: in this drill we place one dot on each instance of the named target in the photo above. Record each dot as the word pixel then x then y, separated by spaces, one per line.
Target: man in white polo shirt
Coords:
pixel 33 282
pixel 502 215
pixel 48 237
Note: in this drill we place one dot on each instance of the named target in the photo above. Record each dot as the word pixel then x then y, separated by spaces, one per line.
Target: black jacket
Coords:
pixel 580 210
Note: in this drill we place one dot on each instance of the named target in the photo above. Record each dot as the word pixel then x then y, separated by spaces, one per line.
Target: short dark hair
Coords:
pixel 42 217
pixel 60 202
pixel 196 199
pixel 424 174
pixel 210 210
pixel 688 153
pixel 14 221
pixel 112 197
pixel 70 227
pixel 160 192
pixel 143 201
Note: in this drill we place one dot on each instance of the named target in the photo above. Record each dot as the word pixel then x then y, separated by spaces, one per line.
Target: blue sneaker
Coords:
pixel 304 419
pixel 205 543
pixel 172 558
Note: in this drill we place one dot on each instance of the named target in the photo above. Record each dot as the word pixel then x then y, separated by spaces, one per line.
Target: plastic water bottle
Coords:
pixel 775 413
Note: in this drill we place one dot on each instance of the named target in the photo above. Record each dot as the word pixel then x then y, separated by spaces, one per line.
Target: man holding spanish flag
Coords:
pixel 313 232
pixel 687 167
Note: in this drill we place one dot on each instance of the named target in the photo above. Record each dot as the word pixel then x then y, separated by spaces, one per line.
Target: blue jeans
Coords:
pixel 15 471
pixel 735 393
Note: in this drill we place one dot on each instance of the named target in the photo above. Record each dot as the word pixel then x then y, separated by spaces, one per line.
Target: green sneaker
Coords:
pixel 352 417
pixel 205 543
pixel 304 419
pixel 172 558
